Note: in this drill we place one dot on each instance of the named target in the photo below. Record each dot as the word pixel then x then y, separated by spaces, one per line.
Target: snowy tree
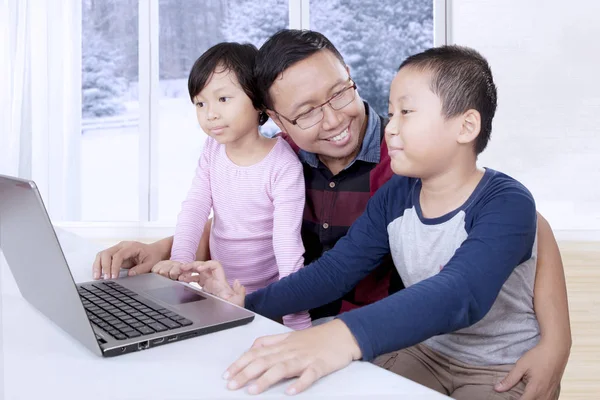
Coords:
pixel 252 22
pixel 102 71
pixel 187 29
pixel 102 87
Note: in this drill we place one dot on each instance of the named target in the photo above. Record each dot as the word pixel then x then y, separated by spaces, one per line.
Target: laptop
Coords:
pixel 109 317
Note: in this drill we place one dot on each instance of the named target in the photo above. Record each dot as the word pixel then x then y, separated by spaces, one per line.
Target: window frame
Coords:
pixel 51 171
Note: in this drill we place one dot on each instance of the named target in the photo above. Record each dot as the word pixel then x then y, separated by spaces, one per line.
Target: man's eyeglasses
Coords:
pixel 313 116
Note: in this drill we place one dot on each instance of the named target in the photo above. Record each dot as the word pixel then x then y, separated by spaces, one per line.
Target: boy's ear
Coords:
pixel 471 126
pixel 273 115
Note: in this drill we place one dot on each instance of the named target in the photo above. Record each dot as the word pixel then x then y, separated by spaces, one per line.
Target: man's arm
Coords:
pixel 543 366
pixel 336 272
pixel 550 291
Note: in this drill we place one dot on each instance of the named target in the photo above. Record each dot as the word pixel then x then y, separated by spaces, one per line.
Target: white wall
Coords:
pixel 545 57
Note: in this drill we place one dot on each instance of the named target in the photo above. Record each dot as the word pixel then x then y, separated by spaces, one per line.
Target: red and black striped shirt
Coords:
pixel 334 202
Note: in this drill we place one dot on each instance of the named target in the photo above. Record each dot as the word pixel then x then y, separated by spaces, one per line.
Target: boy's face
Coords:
pixel 306 85
pixel 223 109
pixel 421 142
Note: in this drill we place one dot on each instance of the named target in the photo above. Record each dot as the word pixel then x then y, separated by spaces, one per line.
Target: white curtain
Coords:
pixel 15 73
pixel 40 114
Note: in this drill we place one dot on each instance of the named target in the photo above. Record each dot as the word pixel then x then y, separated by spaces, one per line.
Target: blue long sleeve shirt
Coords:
pixel 468 274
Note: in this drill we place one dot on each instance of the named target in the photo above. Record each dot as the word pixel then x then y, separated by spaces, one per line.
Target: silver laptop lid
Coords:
pixel 37 262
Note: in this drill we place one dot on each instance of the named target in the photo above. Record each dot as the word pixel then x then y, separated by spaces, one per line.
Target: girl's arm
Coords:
pixel 195 210
pixel 288 193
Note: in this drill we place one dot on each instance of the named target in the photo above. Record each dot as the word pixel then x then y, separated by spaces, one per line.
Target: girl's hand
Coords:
pixel 211 277
pixel 168 268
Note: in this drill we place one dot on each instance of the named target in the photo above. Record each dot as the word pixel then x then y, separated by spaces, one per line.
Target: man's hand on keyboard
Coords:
pixel 137 257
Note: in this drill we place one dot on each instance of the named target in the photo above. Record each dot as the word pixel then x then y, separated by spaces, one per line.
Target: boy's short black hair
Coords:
pixel 235 57
pixel 462 79
pixel 284 49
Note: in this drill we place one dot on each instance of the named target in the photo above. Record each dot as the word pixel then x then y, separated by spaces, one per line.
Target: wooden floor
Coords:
pixel 582 270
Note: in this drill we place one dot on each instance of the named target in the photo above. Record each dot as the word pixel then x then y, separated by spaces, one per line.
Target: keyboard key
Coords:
pixel 185 322
pixel 145 330
pixel 120 336
pixel 133 334
pixel 169 323
pixel 158 327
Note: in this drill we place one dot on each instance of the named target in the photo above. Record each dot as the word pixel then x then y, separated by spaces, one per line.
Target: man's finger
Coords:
pixel 510 380
pixel 106 261
pixel 142 268
pixel 96 267
pixel 123 258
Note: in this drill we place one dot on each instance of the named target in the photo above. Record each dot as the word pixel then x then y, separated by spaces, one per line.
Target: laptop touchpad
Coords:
pixel 175 294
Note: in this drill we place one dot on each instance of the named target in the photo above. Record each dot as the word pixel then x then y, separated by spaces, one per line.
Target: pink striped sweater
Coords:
pixel 257 217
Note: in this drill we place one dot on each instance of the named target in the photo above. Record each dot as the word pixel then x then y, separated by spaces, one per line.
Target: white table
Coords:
pixel 40 361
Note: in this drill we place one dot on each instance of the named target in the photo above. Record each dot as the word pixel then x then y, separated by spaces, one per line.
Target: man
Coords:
pixel 309 93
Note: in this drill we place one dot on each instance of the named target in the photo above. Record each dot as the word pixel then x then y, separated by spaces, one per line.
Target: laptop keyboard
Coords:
pixel 123 314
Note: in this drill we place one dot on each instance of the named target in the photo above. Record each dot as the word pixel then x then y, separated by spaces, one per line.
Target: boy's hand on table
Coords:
pixel 309 354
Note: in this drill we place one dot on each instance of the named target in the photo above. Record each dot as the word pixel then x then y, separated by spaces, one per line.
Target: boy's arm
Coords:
pixel 288 193
pixel 463 292
pixel 333 274
pixel 195 210
pixel 544 365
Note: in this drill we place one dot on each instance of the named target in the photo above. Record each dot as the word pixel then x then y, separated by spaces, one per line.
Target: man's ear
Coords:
pixel 273 115
pixel 470 128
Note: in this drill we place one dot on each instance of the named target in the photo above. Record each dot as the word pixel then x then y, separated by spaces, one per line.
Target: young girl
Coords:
pixel 254 185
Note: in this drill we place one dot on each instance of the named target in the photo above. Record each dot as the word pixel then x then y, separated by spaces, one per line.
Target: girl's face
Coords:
pixel 224 110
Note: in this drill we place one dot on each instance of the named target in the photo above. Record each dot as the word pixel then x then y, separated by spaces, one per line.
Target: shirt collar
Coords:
pixel 370 151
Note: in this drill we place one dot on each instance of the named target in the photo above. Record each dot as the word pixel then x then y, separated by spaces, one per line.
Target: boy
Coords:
pixel 462 239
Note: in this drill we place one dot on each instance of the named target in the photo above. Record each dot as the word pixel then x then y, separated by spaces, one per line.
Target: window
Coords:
pixel 184 36
pixel 109 173
pixel 129 155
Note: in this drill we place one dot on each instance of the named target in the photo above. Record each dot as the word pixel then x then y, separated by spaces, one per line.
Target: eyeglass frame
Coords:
pixel 328 102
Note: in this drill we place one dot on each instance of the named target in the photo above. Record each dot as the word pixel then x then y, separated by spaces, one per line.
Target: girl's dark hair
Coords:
pixel 235 57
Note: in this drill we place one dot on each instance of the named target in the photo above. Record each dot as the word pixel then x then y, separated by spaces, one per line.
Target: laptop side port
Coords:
pixel 143 345
pixel 158 341
pixel 172 338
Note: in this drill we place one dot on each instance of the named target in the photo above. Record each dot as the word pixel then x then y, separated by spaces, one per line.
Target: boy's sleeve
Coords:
pixel 195 210
pixel 463 292
pixel 288 193
pixel 336 272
